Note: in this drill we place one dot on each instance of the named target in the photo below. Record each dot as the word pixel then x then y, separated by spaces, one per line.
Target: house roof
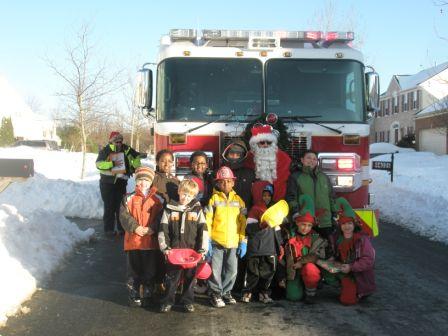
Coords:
pixel 407 82
pixel 440 106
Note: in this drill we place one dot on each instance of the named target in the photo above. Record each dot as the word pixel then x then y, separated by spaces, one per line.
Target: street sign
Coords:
pixel 385 165
pixel 382 165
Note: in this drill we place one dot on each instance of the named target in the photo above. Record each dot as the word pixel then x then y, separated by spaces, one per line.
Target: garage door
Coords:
pixel 433 140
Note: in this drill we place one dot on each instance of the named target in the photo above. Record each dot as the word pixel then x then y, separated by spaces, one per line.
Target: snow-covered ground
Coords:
pixel 35 234
pixel 418 197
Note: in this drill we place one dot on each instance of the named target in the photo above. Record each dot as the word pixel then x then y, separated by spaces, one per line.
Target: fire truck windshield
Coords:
pixel 326 90
pixel 198 89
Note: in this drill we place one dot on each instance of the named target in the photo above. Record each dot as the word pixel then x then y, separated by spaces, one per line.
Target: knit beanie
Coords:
pixel 144 173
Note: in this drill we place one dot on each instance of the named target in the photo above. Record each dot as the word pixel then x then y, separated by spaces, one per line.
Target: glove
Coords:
pixel 242 249
pixel 210 249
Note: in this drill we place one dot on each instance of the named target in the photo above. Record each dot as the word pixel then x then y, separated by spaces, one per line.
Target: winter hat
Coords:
pixel 238 146
pixel 260 133
pixel 269 188
pixel 144 173
pixel 306 213
pixel 224 173
pixel 115 136
pixel 345 211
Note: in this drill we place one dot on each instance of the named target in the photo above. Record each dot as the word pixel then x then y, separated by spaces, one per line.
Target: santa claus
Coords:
pixel 270 163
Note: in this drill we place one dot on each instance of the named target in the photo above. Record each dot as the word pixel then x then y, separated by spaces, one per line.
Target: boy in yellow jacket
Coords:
pixel 226 223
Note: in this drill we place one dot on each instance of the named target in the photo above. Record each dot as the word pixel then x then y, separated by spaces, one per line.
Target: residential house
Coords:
pixel 406 97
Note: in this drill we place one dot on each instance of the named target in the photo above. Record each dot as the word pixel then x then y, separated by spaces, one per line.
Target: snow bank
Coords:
pixel 31 245
pixel 418 197
pixel 385 147
pixel 34 233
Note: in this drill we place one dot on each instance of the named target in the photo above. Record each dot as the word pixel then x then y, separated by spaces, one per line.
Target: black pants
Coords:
pixel 260 271
pixel 142 267
pixel 112 194
pixel 240 277
pixel 174 274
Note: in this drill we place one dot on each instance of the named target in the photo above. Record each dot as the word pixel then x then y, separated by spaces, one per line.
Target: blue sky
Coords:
pixel 400 36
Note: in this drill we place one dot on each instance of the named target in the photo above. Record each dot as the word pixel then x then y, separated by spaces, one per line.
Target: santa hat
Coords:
pixel 306 213
pixel 144 173
pixel 345 211
pixel 115 136
pixel 262 133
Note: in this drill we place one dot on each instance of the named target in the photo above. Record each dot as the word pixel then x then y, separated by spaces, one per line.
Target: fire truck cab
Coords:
pixel 211 84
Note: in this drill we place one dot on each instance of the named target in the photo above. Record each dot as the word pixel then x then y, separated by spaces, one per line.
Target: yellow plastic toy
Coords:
pixel 275 214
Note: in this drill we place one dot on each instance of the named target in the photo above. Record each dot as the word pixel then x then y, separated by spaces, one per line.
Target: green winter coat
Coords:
pixel 104 163
pixel 318 186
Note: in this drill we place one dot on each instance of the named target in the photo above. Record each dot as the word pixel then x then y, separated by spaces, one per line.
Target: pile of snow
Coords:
pixel 385 147
pixel 56 185
pixel 34 233
pixel 417 198
pixel 31 245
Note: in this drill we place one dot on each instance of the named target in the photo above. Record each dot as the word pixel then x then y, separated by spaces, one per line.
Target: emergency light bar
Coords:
pixel 183 34
pixel 339 36
pixel 226 34
pixel 263 38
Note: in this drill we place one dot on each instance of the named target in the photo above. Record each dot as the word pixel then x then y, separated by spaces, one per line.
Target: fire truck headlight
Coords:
pixel 344 181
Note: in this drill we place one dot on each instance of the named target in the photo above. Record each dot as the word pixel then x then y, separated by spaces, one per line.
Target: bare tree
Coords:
pixel 138 125
pixel 34 103
pixel 87 83
pixel 329 18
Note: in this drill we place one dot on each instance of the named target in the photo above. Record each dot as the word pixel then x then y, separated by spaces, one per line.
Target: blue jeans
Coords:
pixel 224 270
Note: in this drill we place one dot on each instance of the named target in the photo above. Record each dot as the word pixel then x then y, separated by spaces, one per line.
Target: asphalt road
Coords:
pixel 87 296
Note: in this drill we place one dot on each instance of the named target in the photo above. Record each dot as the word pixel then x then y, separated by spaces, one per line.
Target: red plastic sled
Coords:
pixel 203 271
pixel 186 258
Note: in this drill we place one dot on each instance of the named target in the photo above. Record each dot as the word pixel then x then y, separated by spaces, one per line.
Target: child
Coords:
pixel 353 249
pixel 201 175
pixel 139 213
pixel 182 226
pixel 225 215
pixel 302 252
pixel 310 180
pixel 263 246
pixel 165 182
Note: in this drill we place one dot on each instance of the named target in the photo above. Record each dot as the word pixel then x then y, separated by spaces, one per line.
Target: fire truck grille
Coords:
pixel 297 146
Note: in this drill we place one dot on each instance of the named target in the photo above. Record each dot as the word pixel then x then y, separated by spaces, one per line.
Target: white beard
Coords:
pixel 265 160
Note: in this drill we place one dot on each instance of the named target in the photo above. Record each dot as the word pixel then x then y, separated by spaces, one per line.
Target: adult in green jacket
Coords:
pixel 114 175
pixel 310 180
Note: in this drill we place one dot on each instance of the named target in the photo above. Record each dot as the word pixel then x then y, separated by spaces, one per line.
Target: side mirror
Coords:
pixel 373 91
pixel 143 92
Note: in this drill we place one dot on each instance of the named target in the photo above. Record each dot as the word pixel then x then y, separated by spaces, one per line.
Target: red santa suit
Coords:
pixel 265 171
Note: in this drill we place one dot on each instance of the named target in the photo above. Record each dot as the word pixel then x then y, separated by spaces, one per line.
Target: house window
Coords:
pixel 415 100
pixel 386 107
pixel 387 136
pixel 376 136
pixel 395 104
pixel 404 102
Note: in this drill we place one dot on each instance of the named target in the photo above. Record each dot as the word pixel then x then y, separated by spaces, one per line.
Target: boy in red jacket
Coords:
pixel 139 214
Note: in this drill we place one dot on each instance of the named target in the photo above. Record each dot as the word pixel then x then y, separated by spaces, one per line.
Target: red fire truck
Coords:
pixel 211 84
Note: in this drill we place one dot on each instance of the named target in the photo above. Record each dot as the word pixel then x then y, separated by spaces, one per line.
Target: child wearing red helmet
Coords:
pixel 226 222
